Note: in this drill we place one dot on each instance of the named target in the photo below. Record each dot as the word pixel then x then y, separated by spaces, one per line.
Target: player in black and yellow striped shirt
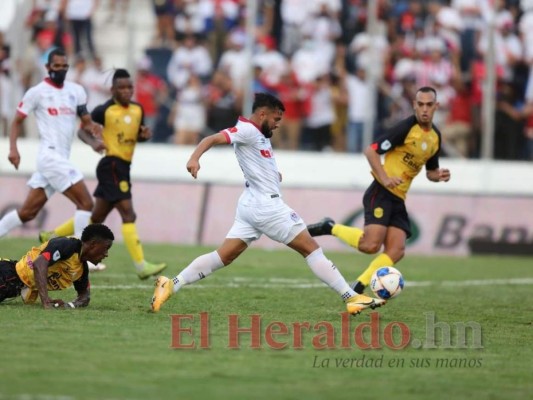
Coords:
pixel 123 128
pixel 56 265
pixel 409 146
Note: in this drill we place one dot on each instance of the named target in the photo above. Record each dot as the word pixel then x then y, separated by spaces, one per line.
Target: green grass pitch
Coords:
pixel 469 322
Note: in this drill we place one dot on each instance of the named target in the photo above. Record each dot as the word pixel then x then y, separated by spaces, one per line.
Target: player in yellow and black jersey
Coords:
pixel 407 147
pixel 123 128
pixel 56 265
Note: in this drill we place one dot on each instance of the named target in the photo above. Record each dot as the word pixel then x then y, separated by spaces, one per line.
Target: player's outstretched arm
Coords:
pixel 193 165
pixel 96 143
pixel 16 128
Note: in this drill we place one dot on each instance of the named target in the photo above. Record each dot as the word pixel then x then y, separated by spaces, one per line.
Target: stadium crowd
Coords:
pixel 314 55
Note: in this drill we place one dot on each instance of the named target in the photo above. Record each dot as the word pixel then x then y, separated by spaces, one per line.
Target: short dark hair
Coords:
pixel 97 232
pixel 56 52
pixel 427 89
pixel 267 100
pixel 120 73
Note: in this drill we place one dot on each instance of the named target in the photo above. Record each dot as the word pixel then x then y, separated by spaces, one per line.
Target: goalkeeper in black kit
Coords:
pixel 56 265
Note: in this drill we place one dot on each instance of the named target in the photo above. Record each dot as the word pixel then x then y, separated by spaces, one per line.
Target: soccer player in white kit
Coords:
pixel 260 210
pixel 57 104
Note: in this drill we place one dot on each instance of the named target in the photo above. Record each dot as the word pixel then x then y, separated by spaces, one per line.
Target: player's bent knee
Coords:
pixel 27 215
pixel 369 248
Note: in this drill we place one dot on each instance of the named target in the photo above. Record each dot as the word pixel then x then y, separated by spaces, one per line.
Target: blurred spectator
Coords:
pixel 164 14
pixel 457 129
pixel 188 19
pixel 357 89
pixel 509 139
pixel 272 62
pixel 224 104
pixel 317 125
pixel 150 91
pixel 309 62
pixel 39 9
pixel 97 83
pixel 188 115
pixel 7 109
pixel 234 60
pixel 220 17
pixel 470 12
pixel 293 14
pixel 78 14
pixel 51 36
pixel 323 27
pixel 296 98
pixel 507 46
pixel 189 57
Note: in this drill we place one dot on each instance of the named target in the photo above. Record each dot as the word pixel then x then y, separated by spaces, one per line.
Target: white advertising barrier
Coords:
pixel 490 200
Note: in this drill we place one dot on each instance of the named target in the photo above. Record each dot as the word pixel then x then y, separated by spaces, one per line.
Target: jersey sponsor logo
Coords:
pixel 386 145
pixel 409 159
pixel 20 104
pixel 267 153
pixel 378 212
pixel 60 111
pixel 124 186
pixel 53 281
pixel 56 256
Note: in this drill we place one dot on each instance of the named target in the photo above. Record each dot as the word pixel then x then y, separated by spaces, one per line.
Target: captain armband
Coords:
pixel 82 110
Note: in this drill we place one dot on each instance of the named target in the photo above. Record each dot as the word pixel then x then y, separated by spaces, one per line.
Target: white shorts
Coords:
pixel 273 218
pixel 54 173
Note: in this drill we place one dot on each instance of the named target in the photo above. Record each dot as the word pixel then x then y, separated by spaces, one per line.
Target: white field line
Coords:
pixel 282 283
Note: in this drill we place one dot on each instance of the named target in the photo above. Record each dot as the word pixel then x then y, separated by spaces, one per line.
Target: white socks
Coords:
pixel 9 221
pixel 328 273
pixel 201 267
pixel 81 220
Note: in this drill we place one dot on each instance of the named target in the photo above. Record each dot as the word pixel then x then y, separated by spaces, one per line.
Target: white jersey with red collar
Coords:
pixel 256 159
pixel 55 110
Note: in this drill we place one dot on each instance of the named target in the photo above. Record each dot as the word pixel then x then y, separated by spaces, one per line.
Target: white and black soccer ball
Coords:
pixel 386 283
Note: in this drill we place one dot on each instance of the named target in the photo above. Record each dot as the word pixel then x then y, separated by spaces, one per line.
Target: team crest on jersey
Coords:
pixel 124 186
pixel 385 145
pixel 424 146
pixel 378 212
pixel 127 119
pixel 294 216
pixel 56 256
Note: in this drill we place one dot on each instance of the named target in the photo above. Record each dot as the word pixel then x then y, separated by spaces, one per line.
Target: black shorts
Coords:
pixel 113 176
pixel 10 283
pixel 384 208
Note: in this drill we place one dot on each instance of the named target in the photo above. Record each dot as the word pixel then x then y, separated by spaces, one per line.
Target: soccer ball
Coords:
pixel 387 282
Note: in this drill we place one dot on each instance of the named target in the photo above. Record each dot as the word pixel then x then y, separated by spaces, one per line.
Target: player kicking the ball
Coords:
pixel 260 210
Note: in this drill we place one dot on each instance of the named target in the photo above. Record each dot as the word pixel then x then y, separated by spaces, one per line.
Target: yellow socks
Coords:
pixel 133 244
pixel 66 228
pixel 347 234
pixel 383 260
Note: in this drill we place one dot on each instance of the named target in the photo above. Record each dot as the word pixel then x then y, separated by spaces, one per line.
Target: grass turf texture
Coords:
pixel 116 349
